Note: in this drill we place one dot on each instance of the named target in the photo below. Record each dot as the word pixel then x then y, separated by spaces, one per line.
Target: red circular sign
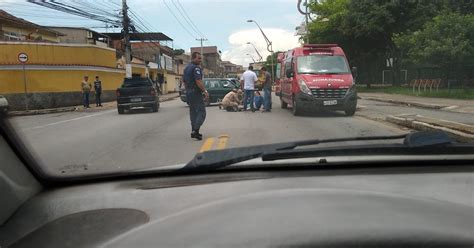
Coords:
pixel 23 57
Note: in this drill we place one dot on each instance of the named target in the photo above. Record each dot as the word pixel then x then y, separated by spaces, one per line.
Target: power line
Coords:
pixel 74 10
pixel 143 28
pixel 190 22
pixel 95 9
pixel 177 19
pixel 202 34
pixel 142 20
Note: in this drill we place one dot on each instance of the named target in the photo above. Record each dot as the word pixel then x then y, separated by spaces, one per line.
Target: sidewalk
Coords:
pixel 459 131
pixel 80 108
pixel 444 104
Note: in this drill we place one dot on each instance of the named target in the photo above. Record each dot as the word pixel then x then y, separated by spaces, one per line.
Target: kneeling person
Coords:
pixel 231 101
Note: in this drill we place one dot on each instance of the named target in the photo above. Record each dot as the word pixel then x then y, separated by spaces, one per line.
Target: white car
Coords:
pixel 3 104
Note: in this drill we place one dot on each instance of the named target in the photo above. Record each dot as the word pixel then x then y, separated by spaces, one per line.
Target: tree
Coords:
pixel 365 28
pixel 268 63
pixel 447 41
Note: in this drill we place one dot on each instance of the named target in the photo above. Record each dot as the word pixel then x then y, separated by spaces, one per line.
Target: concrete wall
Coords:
pixel 52 79
pixel 57 54
pixel 54 74
pixel 73 36
pixel 54 88
pixel 171 82
pixel 53 99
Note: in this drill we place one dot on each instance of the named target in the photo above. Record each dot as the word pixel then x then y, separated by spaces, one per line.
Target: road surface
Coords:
pixel 103 141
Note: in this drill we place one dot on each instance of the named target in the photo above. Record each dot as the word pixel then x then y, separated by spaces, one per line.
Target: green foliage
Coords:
pixel 411 32
pixel 447 40
pixel 268 62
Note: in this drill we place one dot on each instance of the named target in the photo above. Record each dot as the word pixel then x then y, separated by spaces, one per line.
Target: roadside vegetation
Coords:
pixel 427 39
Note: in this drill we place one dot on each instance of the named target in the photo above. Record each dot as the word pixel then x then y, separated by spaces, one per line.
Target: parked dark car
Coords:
pixel 137 93
pixel 217 88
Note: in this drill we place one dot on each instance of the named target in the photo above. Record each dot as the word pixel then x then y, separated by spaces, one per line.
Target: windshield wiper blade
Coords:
pixel 220 158
pixel 372 150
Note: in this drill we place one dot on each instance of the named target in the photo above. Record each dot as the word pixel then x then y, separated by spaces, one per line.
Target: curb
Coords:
pixel 62 110
pixel 417 104
pixel 437 125
pixel 41 111
pixel 169 99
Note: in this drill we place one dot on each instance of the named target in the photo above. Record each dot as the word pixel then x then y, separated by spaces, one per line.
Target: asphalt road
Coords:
pixel 103 141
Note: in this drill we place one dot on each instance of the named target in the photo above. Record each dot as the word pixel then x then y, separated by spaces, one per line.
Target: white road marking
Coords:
pixel 73 119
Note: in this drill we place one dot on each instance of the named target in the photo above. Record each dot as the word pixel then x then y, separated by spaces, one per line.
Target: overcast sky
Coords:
pixel 223 22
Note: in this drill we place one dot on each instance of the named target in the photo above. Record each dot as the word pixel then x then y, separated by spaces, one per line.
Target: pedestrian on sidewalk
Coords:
pixel 248 79
pixel 196 94
pixel 231 101
pixel 86 90
pixel 267 90
pixel 98 91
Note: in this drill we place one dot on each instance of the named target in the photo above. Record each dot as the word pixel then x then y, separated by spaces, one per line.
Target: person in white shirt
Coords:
pixel 248 79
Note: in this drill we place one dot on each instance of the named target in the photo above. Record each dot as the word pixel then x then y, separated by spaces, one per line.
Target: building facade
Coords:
pixel 211 60
pixel 13 28
pixel 73 35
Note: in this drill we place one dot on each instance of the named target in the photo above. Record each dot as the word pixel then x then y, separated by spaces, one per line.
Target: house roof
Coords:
pixel 152 45
pixel 8 18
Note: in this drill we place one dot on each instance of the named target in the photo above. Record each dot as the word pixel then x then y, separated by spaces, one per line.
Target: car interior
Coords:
pixel 414 203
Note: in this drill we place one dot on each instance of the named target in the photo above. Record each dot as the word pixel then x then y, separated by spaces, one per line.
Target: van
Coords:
pixel 316 77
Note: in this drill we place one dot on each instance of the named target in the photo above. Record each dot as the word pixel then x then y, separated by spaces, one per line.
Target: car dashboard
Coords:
pixel 425 206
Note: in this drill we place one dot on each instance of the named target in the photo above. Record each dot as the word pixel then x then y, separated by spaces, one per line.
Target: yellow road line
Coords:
pixel 207 145
pixel 222 141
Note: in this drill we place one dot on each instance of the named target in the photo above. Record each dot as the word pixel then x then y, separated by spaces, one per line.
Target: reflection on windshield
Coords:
pixel 322 64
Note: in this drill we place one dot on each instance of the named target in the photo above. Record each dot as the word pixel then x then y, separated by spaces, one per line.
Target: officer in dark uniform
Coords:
pixel 196 94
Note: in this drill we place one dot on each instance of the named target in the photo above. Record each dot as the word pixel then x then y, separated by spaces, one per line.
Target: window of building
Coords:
pixel 12 36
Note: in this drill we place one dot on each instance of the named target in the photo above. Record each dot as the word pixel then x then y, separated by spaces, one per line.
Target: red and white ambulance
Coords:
pixel 316 77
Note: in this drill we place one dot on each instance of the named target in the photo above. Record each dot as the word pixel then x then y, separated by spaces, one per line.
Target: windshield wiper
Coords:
pixel 414 143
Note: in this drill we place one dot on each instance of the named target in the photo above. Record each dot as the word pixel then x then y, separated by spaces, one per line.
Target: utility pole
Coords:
pixel 202 53
pixel 259 55
pixel 252 58
pixel 269 48
pixel 306 21
pixel 126 37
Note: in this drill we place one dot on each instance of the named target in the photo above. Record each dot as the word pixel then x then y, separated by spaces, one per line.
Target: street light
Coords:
pixel 250 43
pixel 269 45
pixel 251 57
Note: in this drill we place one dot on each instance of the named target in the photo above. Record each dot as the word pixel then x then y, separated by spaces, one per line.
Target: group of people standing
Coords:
pixel 250 95
pixel 249 80
pixel 197 95
pixel 86 88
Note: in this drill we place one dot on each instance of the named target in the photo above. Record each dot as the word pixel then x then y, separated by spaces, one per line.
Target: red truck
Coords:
pixel 316 76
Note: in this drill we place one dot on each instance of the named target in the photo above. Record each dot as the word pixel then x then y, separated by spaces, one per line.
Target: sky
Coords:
pixel 222 22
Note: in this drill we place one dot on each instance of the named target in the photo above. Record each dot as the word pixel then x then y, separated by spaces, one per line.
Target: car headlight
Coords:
pixel 303 87
pixel 352 88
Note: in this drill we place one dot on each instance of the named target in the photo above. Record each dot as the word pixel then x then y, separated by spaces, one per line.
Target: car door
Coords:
pixel 213 89
pixel 226 87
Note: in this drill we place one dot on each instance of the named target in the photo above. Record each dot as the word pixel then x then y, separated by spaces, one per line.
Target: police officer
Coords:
pixel 196 94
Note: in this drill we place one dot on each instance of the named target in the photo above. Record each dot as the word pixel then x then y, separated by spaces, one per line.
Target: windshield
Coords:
pixel 322 64
pixel 117 86
pixel 136 83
